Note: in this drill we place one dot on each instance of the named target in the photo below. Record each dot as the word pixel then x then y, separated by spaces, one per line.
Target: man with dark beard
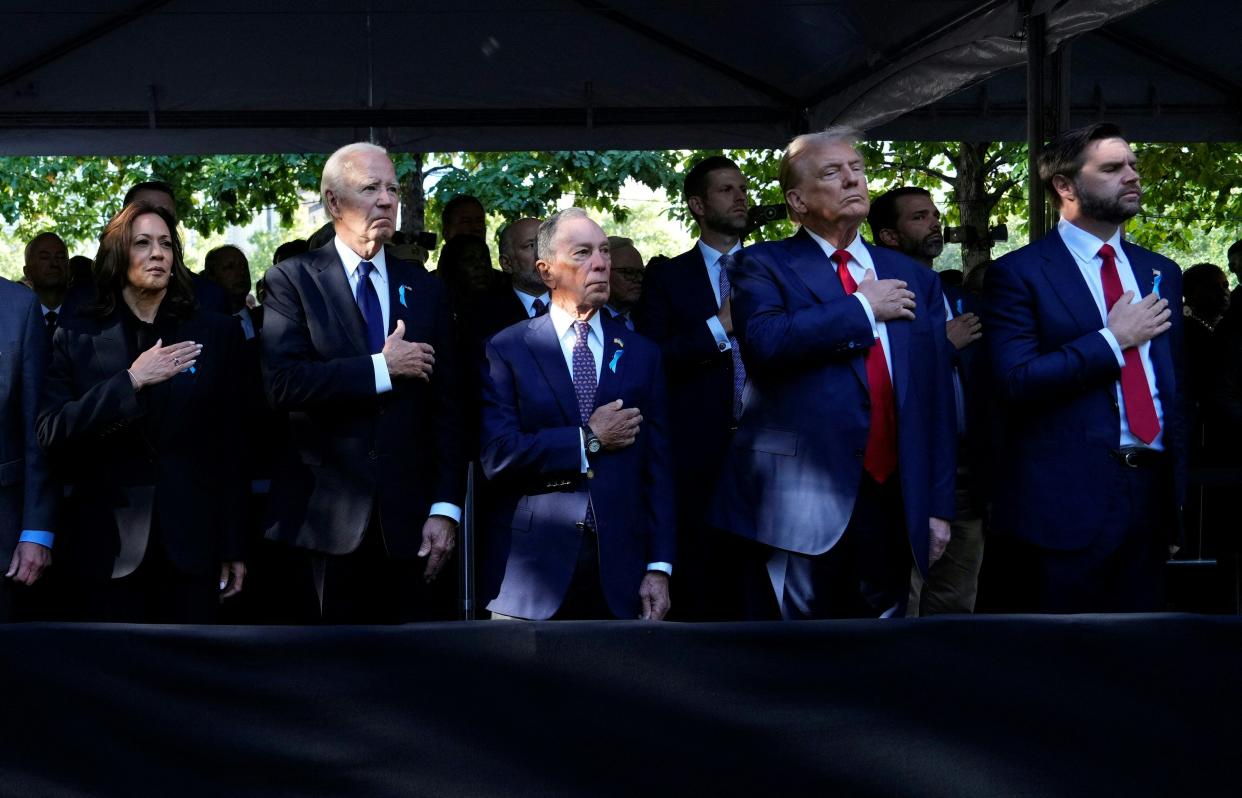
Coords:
pixel 686 307
pixel 1085 333
pixel 906 219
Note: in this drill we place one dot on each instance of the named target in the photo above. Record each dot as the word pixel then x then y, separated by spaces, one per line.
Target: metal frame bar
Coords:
pixel 63 49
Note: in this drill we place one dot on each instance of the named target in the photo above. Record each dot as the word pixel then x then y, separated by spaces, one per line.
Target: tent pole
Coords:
pixel 1036 50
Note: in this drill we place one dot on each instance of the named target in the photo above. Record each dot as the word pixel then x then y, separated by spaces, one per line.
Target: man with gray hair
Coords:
pixel 523 296
pixel 843 462
pixel 625 280
pixel 581 520
pixel 47 269
pixel 358 349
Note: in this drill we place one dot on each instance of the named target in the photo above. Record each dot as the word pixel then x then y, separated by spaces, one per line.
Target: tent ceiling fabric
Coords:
pixel 202 76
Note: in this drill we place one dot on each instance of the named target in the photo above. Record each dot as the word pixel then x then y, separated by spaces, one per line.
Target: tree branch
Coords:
pixel 995 196
pixel 927 170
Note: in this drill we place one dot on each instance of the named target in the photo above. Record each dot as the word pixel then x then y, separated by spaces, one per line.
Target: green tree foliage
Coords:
pixel 1189 191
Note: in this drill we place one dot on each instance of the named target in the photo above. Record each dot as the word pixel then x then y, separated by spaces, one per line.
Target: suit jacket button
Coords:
pixel 372 455
pixel 852 344
pixel 590 473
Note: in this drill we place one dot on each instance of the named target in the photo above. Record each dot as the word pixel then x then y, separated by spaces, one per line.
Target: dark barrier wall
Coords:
pixel 1099 706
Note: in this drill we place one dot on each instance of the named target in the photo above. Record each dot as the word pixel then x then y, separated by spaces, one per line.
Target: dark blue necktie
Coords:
pixel 538 308
pixel 369 304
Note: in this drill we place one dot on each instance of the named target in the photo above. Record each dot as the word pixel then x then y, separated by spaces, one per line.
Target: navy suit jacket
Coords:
pixel 27 500
pixel 676 301
pixel 532 455
pixel 352 449
pixel 1057 376
pixel 796 462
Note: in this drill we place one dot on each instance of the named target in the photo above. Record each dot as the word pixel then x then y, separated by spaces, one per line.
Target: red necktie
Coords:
pixel 880 458
pixel 1140 409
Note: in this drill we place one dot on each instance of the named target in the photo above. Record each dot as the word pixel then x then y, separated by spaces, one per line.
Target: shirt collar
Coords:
pixel 47 310
pixel 527 300
pixel 351 260
pixel 562 321
pixel 712 256
pixel 1083 245
pixel 857 249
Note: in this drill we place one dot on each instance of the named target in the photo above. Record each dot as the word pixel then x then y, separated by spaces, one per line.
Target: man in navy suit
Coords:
pixel 1085 342
pixel 575 443
pixel 906 219
pixel 686 307
pixel 843 464
pixel 357 348
pixel 27 500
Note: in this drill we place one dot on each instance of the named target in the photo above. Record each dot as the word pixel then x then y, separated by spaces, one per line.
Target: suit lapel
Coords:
pixel 1068 283
pixel 400 296
pixel 700 293
pixel 541 338
pixel 329 275
pixel 1145 269
pixel 898 331
pixel 819 275
pixel 111 354
pixel 611 374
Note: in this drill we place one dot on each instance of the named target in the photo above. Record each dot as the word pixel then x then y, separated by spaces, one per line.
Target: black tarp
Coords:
pixel 992 706
pixel 203 76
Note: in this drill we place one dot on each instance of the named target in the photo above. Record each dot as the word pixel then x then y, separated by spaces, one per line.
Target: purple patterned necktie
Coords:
pixel 739 370
pixel 584 387
pixel 584 371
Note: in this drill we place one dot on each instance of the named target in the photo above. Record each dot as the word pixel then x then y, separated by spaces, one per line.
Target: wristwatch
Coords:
pixel 591 440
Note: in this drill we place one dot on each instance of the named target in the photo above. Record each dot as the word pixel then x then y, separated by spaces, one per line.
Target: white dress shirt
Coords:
pixel 383 380
pixel 860 262
pixel 711 258
pixel 563 324
pixel 1085 248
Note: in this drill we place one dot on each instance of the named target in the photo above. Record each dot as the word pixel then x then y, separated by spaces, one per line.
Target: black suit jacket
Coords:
pixel 351 449
pixel 27 500
pixel 676 301
pixel 169 448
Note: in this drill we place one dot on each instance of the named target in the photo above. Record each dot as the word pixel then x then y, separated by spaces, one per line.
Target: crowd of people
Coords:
pixel 814 427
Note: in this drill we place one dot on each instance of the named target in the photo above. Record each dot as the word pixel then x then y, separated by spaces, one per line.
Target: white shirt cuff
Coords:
pixel 662 567
pixel 582 449
pixel 448 510
pixel 718 332
pixel 1113 345
pixel 383 382
pixel 875 332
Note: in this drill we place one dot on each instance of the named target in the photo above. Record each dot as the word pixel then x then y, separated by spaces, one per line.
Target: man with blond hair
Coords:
pixel 843 463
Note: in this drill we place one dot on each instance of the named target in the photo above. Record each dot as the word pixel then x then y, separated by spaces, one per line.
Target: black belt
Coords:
pixel 1140 457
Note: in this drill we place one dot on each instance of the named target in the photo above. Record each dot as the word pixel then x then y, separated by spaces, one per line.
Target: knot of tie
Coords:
pixel 50 317
pixel 581 328
pixel 538 307
pixel 843 271
pixel 1107 252
pixel 364 268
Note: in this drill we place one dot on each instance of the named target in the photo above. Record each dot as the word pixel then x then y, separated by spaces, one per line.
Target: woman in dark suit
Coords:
pixel 140 412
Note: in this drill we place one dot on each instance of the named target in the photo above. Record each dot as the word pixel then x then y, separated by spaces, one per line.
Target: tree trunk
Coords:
pixel 971 194
pixel 413 202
